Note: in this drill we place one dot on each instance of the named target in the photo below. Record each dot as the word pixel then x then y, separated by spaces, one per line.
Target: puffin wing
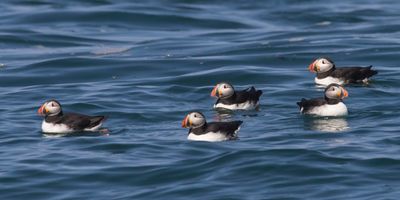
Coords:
pixel 354 74
pixel 241 96
pixel 228 128
pixel 80 121
pixel 306 105
pixel 249 94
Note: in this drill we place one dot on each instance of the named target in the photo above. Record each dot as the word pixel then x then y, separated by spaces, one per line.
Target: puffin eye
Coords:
pixel 195 115
pixel 323 61
pixel 225 86
pixel 52 104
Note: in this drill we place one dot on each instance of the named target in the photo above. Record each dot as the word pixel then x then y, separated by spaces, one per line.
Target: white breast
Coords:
pixel 211 136
pixel 62 128
pixel 327 110
pixel 328 80
pixel 208 137
pixel 241 106
pixel 55 128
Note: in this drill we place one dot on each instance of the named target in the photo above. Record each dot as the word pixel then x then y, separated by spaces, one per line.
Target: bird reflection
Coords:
pixel 228 115
pixel 101 132
pixel 326 124
pixel 224 115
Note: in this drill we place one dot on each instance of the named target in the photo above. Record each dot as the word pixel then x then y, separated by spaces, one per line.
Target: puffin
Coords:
pixel 328 73
pixel 55 121
pixel 230 99
pixel 200 130
pixel 329 106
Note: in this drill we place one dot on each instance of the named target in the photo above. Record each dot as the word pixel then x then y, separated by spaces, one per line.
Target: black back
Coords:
pixel 75 121
pixel 249 94
pixel 227 128
pixel 349 74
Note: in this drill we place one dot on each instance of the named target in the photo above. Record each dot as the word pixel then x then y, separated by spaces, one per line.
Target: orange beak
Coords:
pixel 214 91
pixel 42 110
pixel 313 68
pixel 185 122
pixel 345 93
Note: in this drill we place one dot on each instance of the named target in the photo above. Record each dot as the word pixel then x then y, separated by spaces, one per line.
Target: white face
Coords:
pixel 50 108
pixel 321 65
pixel 223 90
pixel 335 91
pixel 193 120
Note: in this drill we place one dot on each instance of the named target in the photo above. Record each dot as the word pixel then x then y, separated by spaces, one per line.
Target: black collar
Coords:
pixel 55 118
pixel 332 101
pixel 228 100
pixel 199 130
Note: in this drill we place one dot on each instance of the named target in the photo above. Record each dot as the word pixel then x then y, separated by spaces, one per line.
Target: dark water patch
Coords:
pixel 133 19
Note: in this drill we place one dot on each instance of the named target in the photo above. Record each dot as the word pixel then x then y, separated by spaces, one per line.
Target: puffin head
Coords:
pixel 193 120
pixel 335 91
pixel 223 90
pixel 50 108
pixel 321 65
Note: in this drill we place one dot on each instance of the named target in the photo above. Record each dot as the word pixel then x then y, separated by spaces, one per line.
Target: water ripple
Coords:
pixel 146 65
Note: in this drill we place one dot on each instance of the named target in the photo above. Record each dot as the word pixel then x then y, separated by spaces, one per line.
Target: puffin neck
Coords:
pixel 202 127
pixel 332 101
pixel 233 96
pixel 54 118
pixel 327 73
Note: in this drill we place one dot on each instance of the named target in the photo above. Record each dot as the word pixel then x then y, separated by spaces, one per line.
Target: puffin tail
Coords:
pixel 96 120
pixel 255 93
pixel 235 132
pixel 259 93
pixel 300 103
pixel 370 72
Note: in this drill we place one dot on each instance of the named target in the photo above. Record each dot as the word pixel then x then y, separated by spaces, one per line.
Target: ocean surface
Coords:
pixel 147 64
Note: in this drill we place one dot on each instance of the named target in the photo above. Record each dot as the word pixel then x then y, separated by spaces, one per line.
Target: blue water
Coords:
pixel 146 65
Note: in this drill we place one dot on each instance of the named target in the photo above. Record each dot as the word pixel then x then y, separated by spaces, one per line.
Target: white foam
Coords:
pixel 296 39
pixel 324 23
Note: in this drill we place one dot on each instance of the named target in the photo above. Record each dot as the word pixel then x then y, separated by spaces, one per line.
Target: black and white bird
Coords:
pixel 55 121
pixel 330 105
pixel 328 73
pixel 230 99
pixel 200 130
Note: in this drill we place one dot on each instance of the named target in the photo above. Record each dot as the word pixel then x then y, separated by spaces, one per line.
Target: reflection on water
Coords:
pixel 101 132
pixel 46 135
pixel 229 115
pixel 223 115
pixel 326 124
pixel 320 87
